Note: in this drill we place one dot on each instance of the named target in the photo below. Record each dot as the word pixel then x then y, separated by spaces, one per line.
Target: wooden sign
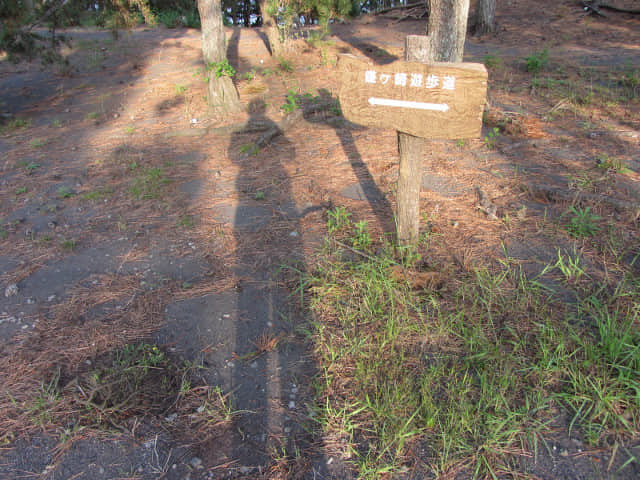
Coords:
pixel 435 100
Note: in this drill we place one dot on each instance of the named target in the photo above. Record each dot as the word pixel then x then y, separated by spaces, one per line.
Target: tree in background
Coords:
pixel 447 29
pixel 485 17
pixel 221 92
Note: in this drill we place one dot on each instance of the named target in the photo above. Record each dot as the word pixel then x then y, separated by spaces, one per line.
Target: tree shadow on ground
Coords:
pixel 378 201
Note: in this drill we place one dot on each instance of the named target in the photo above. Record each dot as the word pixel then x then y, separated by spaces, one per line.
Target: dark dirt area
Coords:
pixel 151 324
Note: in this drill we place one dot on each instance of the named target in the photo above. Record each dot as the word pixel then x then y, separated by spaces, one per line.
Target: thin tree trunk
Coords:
pixel 270 26
pixel 485 21
pixel 221 93
pixel 28 6
pixel 447 29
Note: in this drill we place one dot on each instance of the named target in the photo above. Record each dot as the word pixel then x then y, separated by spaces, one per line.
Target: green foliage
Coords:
pixel 536 62
pixel 292 102
pixel 221 69
pixel 187 221
pixel 476 372
pixel 609 164
pixel 492 62
pixel 491 139
pixel 338 219
pixel 149 184
pixel 250 149
pixel 68 245
pixel 361 238
pixel 583 222
pixel 21 190
pixel 285 65
pixel 17 124
pixel 64 192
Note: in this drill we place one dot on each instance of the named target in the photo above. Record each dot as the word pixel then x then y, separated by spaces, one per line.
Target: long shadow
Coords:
pixel 269 360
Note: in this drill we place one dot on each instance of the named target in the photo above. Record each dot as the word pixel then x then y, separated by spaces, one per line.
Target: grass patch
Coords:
pixel 474 374
pixel 17 124
pixel 149 184
pixel 96 195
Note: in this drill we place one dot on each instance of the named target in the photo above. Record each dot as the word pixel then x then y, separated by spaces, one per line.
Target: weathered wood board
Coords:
pixel 436 100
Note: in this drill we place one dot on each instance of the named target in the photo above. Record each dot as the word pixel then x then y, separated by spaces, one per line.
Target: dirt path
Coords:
pixel 129 214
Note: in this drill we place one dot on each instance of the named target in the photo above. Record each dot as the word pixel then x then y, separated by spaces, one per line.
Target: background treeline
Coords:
pixel 183 13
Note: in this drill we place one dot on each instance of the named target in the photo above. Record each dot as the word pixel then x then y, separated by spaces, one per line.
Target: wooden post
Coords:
pixel 411 150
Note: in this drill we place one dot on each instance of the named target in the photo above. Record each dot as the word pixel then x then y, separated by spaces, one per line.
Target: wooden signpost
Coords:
pixel 419 100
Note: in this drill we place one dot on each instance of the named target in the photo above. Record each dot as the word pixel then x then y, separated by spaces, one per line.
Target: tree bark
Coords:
pixel 270 26
pixel 447 29
pixel 221 93
pixel 28 6
pixel 485 21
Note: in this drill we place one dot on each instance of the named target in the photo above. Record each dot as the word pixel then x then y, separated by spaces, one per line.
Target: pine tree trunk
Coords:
pixel 486 17
pixel 270 26
pixel 447 29
pixel 221 93
pixel 28 6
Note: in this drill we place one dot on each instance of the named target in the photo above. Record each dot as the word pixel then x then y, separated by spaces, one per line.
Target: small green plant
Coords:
pixel 18 124
pixel 3 234
pixel 64 192
pixel 338 219
pixel 92 115
pixel 536 62
pixel 608 164
pixel 181 89
pixel 31 167
pixel 37 143
pixel 361 239
pixel 583 222
pixel 491 139
pixel 221 69
pixel 259 195
pixel 95 195
pixel 492 62
pixel 461 143
pixel 250 149
pixel 285 65
pixel 249 76
pixel 130 130
pixel 68 245
pixel 56 123
pixel 21 190
pixel 292 102
pixel 186 221
pixel 149 184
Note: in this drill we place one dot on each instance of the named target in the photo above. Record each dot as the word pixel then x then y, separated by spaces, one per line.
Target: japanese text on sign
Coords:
pixel 416 80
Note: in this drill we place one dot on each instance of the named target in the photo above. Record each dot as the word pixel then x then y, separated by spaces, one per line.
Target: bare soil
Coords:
pixel 130 213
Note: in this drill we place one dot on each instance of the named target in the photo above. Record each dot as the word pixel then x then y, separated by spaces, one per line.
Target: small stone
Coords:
pixel 170 418
pixel 200 409
pixel 31 301
pixel 564 453
pixel 196 462
pixel 11 290
pixel 293 234
pixel 292 405
pixel 254 365
pixel 101 470
pixel 51 298
pixel 245 470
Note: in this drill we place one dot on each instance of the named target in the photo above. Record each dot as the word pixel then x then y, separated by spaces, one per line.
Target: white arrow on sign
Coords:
pixel 388 102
